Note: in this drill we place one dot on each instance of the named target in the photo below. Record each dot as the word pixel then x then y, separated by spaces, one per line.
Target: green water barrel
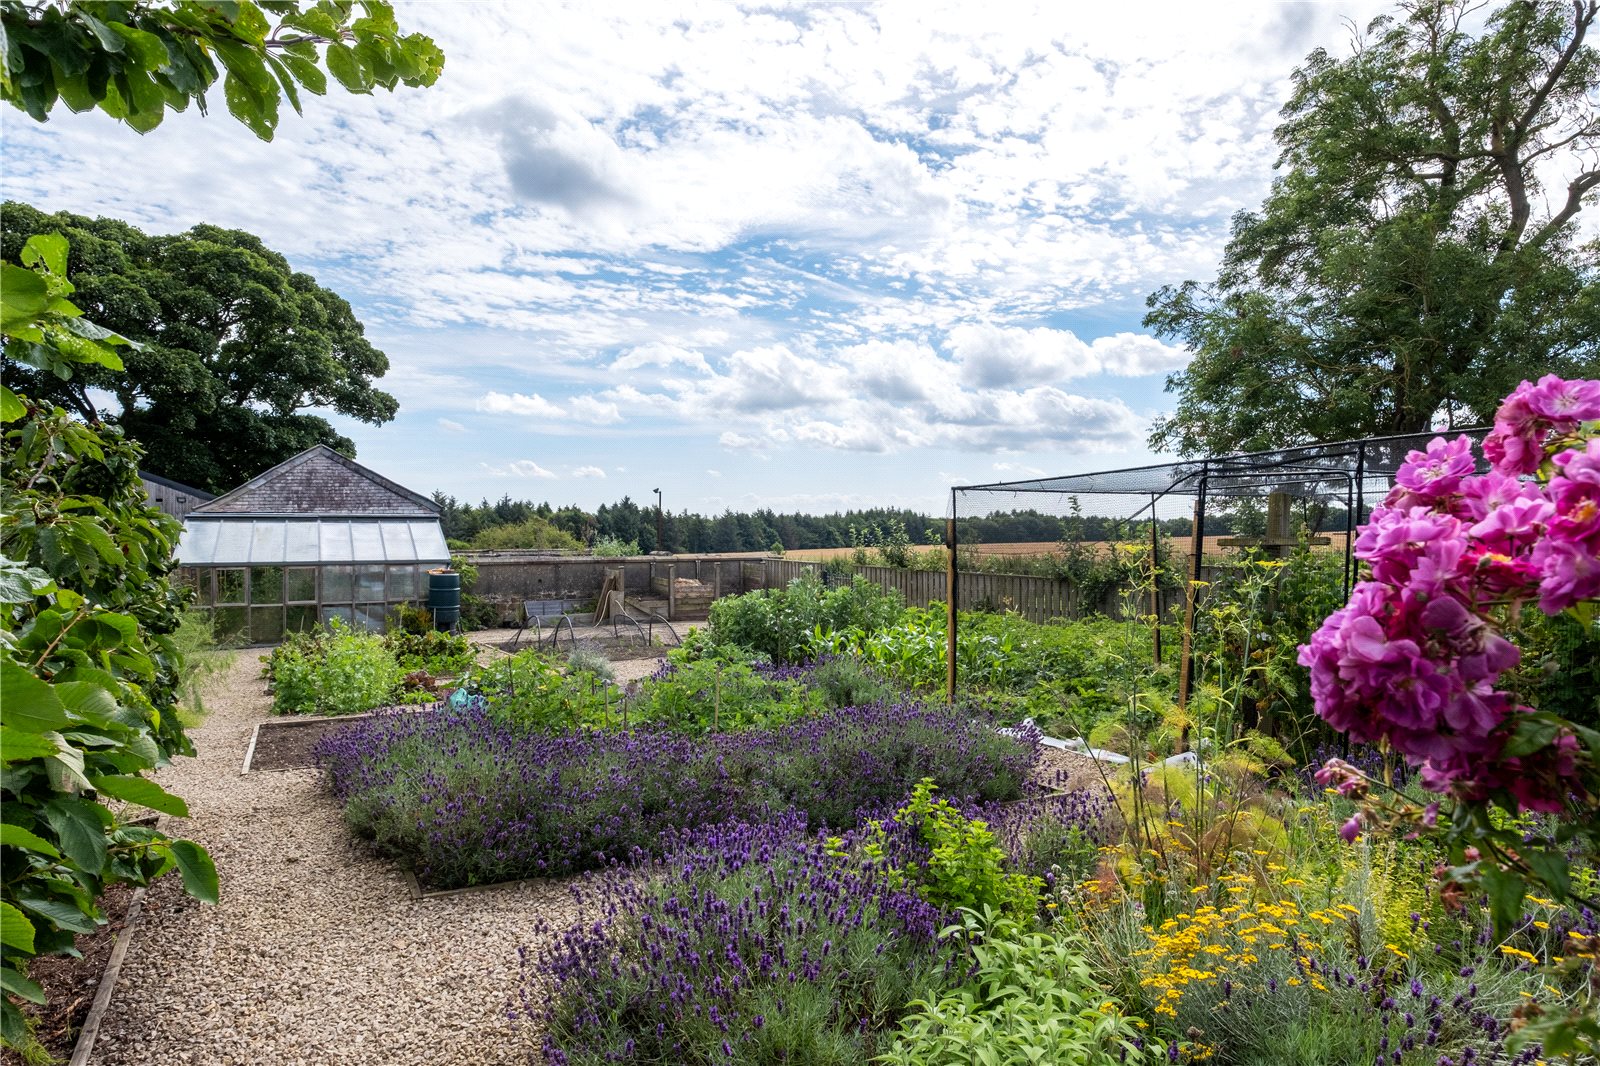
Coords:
pixel 444 597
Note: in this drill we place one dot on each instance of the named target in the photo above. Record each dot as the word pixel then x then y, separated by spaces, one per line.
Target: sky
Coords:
pixel 808 257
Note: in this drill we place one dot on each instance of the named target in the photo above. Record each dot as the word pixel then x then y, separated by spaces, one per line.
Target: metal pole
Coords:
pixel 1155 578
pixel 1186 666
pixel 951 580
pixel 1353 519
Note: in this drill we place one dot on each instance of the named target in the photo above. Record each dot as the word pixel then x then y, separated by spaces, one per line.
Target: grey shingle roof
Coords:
pixel 319 481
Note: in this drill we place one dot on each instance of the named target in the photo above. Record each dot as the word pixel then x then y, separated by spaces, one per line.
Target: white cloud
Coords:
pixel 450 425
pixel 713 473
pixel 588 471
pixel 517 468
pixel 579 408
pixel 662 355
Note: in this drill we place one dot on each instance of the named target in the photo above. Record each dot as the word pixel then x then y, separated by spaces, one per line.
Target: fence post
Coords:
pixel 950 607
pixel 1155 577
pixel 672 590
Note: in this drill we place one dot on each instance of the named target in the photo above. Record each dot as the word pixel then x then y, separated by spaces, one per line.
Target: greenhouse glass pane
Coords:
pixel 301 584
pixel 429 541
pixel 397 546
pixel 233 542
pixel 266 625
pixel 199 542
pixel 301 542
pixel 366 542
pixel 266 584
pixel 369 584
pixel 299 619
pixel 230 586
pixel 402 583
pixel 371 617
pixel 230 624
pixel 341 613
pixel 338 584
pixel 205 587
pixel 335 539
pixel 266 542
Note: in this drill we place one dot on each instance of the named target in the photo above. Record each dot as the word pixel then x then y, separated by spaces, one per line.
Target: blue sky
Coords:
pixel 805 257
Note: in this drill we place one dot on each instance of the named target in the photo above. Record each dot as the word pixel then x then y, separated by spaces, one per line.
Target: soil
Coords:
pixel 70 984
pixel 287 745
pixel 1068 771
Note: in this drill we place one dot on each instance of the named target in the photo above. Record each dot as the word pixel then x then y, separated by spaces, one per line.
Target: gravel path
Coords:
pixel 317 953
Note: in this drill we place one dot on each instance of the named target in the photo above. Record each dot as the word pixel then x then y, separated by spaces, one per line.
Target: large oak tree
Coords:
pixel 1419 253
pixel 235 347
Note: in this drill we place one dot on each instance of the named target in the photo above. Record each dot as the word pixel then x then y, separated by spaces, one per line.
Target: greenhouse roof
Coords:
pixel 260 540
pixel 1312 470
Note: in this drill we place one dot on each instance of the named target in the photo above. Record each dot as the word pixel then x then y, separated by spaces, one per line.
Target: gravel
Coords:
pixel 317 952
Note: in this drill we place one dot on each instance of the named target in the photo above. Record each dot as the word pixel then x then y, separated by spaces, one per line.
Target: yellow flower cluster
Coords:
pixel 1215 943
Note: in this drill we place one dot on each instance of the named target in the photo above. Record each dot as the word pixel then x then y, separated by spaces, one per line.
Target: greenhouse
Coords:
pixel 317 537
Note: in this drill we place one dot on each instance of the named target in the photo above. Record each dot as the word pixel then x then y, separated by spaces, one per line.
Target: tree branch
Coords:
pixel 1581 17
pixel 1576 191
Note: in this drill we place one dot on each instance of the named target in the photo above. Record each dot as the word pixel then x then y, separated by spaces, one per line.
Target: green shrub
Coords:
pixel 959 863
pixel 431 651
pixel 780 623
pixel 588 659
pixel 846 681
pixel 332 670
pixel 611 547
pixel 532 689
pixel 535 532
pixel 1031 999
pixel 714 694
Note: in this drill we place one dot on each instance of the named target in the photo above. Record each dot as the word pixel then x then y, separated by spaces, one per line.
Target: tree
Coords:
pixel 234 347
pixel 1419 255
pixel 134 61
pixel 88 670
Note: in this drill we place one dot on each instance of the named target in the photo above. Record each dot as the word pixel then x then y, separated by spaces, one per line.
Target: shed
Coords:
pixel 173 497
pixel 319 536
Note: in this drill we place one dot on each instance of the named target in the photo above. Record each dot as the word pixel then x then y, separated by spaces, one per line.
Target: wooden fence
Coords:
pixel 1038 599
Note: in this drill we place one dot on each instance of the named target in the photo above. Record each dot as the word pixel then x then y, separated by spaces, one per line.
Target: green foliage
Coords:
pixel 961 864
pixel 714 695
pixel 532 689
pixel 780 623
pixel 611 547
pixel 134 61
pixel 332 670
pixel 234 347
pixel 435 652
pixel 202 654
pixel 1256 614
pixel 90 676
pixel 846 681
pixel 883 543
pixel 1031 998
pixel 1408 260
pixel 529 533
pixel 587 659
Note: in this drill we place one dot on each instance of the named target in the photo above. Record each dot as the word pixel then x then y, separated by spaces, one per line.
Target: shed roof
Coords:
pixel 319 481
pixel 236 540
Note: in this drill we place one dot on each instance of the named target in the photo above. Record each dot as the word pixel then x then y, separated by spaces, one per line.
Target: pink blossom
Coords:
pixel 1431 475
pixel 1351 829
pixel 1560 401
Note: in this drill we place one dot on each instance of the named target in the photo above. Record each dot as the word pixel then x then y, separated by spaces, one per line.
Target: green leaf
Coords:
pixel 247 64
pixel 24 295
pixel 346 67
pixel 15 929
pixel 1505 891
pixel 286 80
pixel 18 985
pixel 64 915
pixel 16 746
pixel 309 74
pixel 109 40
pixel 147 48
pixel 47 248
pixel 1532 734
pixel 199 872
pixel 18 837
pixel 28 704
pixel 1551 869
pixel 315 22
pixel 246 105
pixel 88 701
pixel 11 409
pixel 80 831
pixel 141 790
pixel 65 768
